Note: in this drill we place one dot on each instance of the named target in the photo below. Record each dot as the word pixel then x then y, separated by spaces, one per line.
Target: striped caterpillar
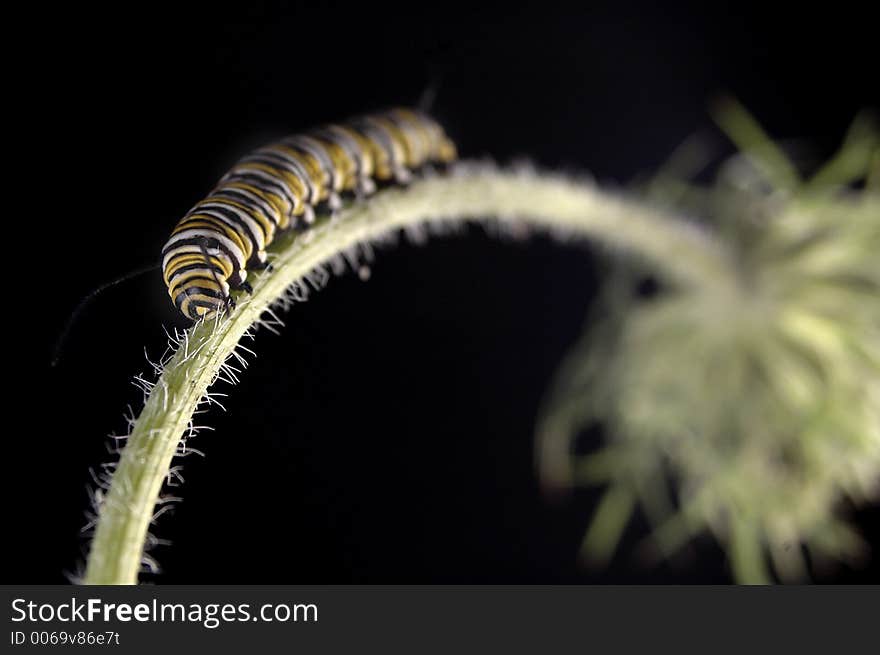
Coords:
pixel 279 187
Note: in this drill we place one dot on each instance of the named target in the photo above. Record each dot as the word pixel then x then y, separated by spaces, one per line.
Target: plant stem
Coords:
pixel 680 250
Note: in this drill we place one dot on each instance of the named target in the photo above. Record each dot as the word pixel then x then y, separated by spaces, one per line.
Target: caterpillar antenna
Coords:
pixel 429 95
pixel 59 344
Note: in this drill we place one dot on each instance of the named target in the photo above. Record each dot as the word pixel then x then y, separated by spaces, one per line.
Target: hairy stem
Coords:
pixel 678 249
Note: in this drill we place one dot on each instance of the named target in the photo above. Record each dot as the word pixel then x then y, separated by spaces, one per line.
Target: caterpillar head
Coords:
pixel 203 299
pixel 198 277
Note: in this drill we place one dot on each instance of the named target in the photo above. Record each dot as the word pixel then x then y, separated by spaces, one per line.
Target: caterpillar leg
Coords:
pixel 366 186
pixel 334 202
pixel 236 279
pixel 330 206
pixel 308 215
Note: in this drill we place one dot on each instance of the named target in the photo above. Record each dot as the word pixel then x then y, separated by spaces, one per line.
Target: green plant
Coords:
pixel 759 401
pixel 818 328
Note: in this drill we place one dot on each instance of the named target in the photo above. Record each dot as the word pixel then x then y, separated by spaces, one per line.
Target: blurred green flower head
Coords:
pixel 758 395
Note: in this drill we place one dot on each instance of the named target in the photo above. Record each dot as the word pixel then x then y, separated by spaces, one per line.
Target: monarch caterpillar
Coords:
pixel 279 187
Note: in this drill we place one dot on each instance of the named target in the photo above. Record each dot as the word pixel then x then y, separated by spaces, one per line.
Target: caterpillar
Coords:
pixel 280 187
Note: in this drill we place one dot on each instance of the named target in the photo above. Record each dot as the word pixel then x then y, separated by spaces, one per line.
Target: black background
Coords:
pixel 386 435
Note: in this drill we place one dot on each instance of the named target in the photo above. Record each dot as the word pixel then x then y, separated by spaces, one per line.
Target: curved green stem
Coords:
pixel 679 249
